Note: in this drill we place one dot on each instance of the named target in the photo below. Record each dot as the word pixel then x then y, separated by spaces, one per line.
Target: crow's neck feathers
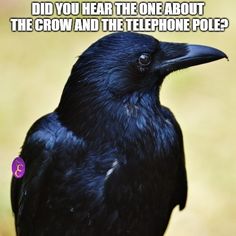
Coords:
pixel 85 106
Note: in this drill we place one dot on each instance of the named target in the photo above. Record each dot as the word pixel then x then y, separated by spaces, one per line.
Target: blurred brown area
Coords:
pixel 35 66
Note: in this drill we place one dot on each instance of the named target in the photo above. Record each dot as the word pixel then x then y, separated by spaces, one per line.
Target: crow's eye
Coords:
pixel 144 59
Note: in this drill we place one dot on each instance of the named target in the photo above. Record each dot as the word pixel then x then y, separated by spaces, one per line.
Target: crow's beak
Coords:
pixel 190 55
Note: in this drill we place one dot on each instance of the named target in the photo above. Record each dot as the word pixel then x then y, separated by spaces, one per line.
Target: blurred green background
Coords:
pixel 34 68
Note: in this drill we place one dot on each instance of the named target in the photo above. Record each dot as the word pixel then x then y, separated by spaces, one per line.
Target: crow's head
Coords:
pixel 124 63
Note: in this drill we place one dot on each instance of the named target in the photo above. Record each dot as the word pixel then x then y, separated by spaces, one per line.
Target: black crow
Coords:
pixel 110 159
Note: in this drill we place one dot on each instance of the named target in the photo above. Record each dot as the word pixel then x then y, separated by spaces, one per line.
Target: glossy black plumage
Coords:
pixel 109 160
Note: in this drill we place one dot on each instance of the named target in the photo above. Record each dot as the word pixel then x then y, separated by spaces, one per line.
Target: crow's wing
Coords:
pixel 44 141
pixel 180 195
pixel 182 186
